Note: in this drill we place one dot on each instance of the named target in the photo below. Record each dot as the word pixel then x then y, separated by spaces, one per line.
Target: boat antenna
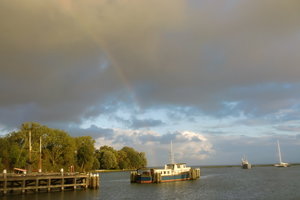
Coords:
pixel 172 154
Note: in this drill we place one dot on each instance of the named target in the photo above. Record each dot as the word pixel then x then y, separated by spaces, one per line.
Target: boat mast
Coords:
pixel 40 159
pixel 279 152
pixel 171 154
pixel 30 149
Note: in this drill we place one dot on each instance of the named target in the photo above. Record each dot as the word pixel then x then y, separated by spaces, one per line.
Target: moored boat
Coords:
pixel 245 163
pixel 170 172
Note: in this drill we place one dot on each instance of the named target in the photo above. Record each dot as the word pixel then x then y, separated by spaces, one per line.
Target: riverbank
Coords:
pixel 112 170
pixel 203 166
pixel 253 165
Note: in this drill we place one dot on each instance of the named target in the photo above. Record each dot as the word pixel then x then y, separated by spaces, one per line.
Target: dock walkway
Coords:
pixel 46 182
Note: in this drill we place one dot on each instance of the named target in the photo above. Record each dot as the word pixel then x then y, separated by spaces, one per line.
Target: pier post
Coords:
pixel 49 183
pixel 74 181
pixel 23 186
pixel 93 181
pixel 5 181
pixel 86 181
pixel 37 185
pixel 62 179
pixel 133 176
pixel 98 180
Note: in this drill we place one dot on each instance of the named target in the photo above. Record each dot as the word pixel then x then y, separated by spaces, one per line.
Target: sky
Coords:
pixel 220 79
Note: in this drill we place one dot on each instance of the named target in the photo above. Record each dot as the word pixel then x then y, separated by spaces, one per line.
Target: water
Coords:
pixel 215 183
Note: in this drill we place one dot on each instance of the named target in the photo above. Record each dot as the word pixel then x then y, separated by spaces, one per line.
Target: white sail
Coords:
pixel 280 164
pixel 279 152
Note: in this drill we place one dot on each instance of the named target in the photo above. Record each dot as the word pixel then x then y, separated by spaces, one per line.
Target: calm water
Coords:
pixel 215 183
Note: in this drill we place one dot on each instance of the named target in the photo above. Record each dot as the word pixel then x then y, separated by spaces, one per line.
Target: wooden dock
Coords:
pixel 46 182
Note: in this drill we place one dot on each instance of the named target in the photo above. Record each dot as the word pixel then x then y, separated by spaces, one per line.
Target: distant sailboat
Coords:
pixel 280 164
pixel 245 163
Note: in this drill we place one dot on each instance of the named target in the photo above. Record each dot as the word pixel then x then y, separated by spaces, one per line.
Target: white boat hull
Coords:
pixel 282 165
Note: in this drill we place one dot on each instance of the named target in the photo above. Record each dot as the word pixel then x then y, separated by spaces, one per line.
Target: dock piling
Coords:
pixel 94 181
pixel 5 181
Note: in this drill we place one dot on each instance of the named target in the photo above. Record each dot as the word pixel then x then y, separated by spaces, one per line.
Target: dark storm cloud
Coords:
pixel 180 113
pixel 65 61
pixel 144 123
pixel 55 65
pixel 217 53
pixel 92 131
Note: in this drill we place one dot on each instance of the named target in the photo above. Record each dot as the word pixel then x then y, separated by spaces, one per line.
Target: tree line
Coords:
pixel 60 150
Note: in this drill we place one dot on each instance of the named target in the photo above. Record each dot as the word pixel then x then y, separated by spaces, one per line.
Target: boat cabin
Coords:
pixel 172 169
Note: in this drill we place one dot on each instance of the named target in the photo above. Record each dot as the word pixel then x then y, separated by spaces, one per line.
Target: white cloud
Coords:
pixel 201 149
pixel 190 147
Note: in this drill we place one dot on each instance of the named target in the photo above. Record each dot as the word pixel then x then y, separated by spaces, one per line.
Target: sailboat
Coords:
pixel 245 163
pixel 280 164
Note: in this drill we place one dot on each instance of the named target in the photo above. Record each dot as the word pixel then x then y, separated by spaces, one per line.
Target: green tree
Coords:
pixel 86 153
pixel 108 160
pixel 143 159
pixel 126 158
pixel 136 159
pixel 1 165
pixel 107 157
pixel 4 157
pixel 107 148
pixel 123 160
pixel 96 164
pixel 58 147
pixel 14 152
pixel 4 154
pixel 58 150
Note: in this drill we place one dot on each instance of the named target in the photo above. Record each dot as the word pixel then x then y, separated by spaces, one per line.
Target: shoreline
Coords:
pixel 208 166
pixel 253 165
